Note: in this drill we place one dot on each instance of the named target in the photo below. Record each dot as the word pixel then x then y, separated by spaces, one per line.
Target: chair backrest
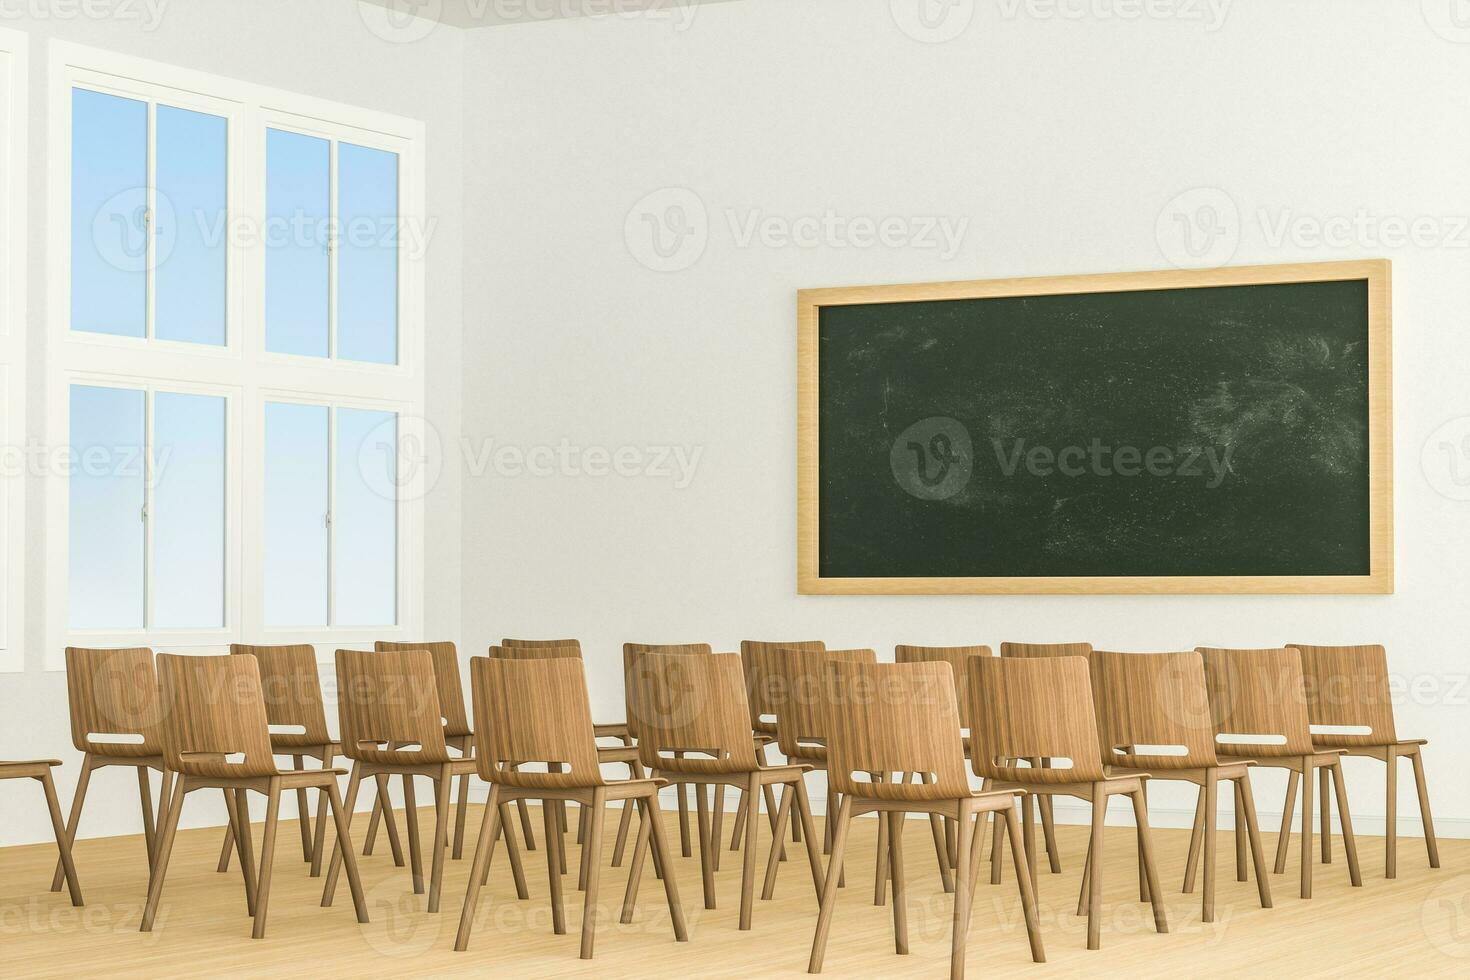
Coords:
pixel 114 693
pixel 1033 708
pixel 1348 687
pixel 1153 701
pixel 958 659
pixel 567 650
pixel 1258 699
pixel 292 688
pixel 215 719
pixel 541 644
pixel 1045 649
pixel 757 657
pixel 692 704
pixel 801 693
pixel 446 676
pixel 386 699
pixel 900 720
pixel 633 654
pixel 534 711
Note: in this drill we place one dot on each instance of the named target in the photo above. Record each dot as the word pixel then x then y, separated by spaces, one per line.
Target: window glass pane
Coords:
pixel 297 187
pixel 191 214
pixel 367 261
pixel 188 514
pixel 106 512
pixel 295 515
pixel 366 518
pixel 109 179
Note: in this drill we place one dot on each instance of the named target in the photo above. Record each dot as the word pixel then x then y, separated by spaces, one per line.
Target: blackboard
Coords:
pixel 1178 431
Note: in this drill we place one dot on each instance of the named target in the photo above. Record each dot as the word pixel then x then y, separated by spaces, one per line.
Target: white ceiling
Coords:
pixel 491 13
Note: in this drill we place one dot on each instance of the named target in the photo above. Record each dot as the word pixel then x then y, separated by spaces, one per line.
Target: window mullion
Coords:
pixel 150 223
pixel 333 247
pixel 147 515
pixel 331 515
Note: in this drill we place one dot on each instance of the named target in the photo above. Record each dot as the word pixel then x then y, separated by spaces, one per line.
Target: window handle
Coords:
pixel 327 519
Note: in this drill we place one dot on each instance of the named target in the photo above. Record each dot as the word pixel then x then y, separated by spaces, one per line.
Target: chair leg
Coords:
pixel 1001 829
pixel 717 825
pixel 344 853
pixel 768 792
pixel 773 862
pixel 1023 884
pixel 165 848
pixel 1283 839
pixel 268 853
pixel 737 832
pixel 1196 842
pixel 479 870
pixel 411 827
pixel 1212 784
pixel 227 847
pixel 63 846
pixel 512 853
pixel 707 844
pixel 1349 839
pixel 243 843
pixel 671 886
pixel 526 831
pixel 1049 829
pixel 442 786
pixel 383 810
pixel 1095 863
pixel 747 876
pixel 1143 895
pixel 1146 847
pixel 593 846
pixel 895 864
pixel 1391 817
pixel 319 842
pixel 1307 826
pixel 682 792
pixel 964 897
pixel 829 885
pixel 1431 843
pixel 1086 889
pixel 79 795
pixel 640 851
pixel 1324 800
pixel 1258 853
pixel 343 841
pixel 553 871
pixel 145 799
pixel 809 834
pixel 939 829
pixel 1242 859
pixel 880 872
pixel 462 810
pixel 303 813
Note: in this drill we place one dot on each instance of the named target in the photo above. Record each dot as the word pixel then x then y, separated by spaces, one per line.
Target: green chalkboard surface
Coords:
pixel 1209 432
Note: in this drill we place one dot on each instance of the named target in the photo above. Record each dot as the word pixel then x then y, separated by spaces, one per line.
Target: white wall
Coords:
pixel 1062 141
pixel 323 49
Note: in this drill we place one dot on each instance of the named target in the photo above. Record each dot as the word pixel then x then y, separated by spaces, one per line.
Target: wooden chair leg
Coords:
pixel 526 831
pixel 768 793
pixel 593 846
pixel 1324 803
pixel 383 811
pixel 1143 895
pixel 463 809
pixel 625 820
pixel 1146 847
pixel 717 825
pixel 895 865
pixel 773 862
pixel 165 848
pixel 682 792
pixel 1196 842
pixel 227 847
pixel 1001 829
pixel 1023 884
pixel 1391 816
pixel 1283 839
pixel 1431 843
pixel 1242 859
pixel 1086 890
pixel 553 871
pixel 479 870
pixel 319 841
pixel 829 886
pixel 1028 830
pixel 747 876
pixel 145 799
pixel 1307 816
pixel 707 844
pixel 1212 784
pixel 938 828
pixel 244 846
pixel 809 834
pixel 1345 817
pixel 640 851
pixel 964 898
pixel 411 827
pixel 1258 853
pixel 79 795
pixel 63 846
pixel 268 853
pixel 512 853
pixel 442 787
pixel 1049 829
pixel 1095 863
pixel 303 813
pixel 880 874
pixel 671 886
pixel 343 841
pixel 340 816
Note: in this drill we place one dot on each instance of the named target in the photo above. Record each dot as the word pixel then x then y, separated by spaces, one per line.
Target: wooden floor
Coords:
pixel 1417 925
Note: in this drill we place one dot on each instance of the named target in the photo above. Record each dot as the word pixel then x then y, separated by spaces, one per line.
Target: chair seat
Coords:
pixel 1399 743
pixel 1320 757
pixel 29 769
pixel 31 762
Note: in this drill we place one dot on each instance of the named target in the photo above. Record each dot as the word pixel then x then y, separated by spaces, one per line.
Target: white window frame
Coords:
pixel 242 367
pixel 14 247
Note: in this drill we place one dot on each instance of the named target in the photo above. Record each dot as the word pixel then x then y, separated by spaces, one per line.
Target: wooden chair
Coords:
pixel 535 711
pixel 693 728
pixel 624 754
pixel 457 733
pixel 293 699
pixel 1043 803
pixel 1042 708
pixel 115 714
pixel 1154 717
pixel 1258 699
pixel 216 736
pixel 40 771
pixel 632 654
pixel 1347 687
pixel 958 659
pixel 757 658
pixel 899 720
pixel 392 724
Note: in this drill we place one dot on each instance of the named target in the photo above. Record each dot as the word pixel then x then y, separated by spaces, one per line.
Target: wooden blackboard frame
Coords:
pixel 1379 580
